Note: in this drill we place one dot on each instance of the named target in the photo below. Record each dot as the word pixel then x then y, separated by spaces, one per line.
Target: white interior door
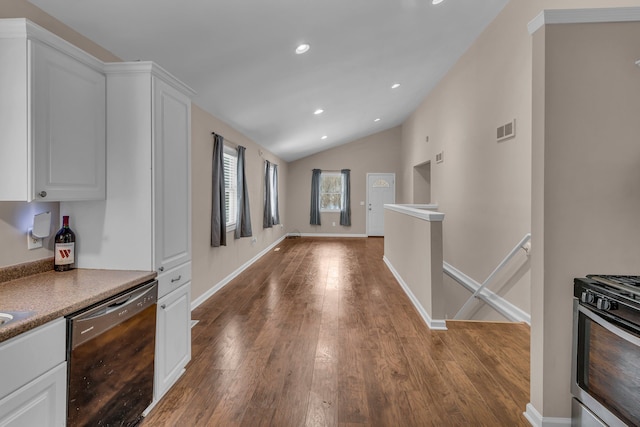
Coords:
pixel 381 190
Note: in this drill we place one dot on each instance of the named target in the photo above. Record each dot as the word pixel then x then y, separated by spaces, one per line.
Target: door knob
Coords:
pixel 42 193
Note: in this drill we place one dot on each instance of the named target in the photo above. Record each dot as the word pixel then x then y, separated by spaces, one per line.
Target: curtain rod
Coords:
pixel 260 153
pixel 226 140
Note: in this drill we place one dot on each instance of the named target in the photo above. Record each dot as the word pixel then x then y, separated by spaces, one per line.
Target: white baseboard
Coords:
pixel 325 235
pixel 537 420
pixel 202 298
pixel 436 324
pixel 495 301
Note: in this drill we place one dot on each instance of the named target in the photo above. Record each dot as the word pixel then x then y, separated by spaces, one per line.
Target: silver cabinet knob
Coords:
pixel 42 193
pixel 161 269
pixel 163 306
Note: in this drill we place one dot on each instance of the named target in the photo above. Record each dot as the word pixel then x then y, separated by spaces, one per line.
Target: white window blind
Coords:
pixel 230 160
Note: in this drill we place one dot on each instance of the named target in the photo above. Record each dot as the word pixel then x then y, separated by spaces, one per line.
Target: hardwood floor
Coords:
pixel 319 333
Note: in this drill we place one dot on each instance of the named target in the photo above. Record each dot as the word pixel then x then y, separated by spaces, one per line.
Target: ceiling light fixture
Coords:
pixel 324 137
pixel 318 111
pixel 304 47
pixel 436 1
pixel 376 120
pixel 395 85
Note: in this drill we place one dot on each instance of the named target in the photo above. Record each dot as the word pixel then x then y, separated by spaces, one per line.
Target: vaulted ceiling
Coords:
pixel 239 56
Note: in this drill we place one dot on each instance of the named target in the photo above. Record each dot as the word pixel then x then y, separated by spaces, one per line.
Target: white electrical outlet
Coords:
pixel 33 243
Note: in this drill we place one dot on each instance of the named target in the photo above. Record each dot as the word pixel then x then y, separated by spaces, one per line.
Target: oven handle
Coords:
pixel 609 326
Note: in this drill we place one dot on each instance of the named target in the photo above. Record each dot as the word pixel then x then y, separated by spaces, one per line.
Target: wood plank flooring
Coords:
pixel 319 333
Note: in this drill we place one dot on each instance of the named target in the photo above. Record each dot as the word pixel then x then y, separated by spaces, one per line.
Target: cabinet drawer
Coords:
pixel 171 280
pixel 31 354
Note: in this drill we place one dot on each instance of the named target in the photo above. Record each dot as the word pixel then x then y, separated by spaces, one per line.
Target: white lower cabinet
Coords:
pixel 173 338
pixel 40 403
pixel 33 386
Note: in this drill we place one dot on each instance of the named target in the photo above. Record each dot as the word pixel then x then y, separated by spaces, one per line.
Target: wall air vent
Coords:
pixel 506 131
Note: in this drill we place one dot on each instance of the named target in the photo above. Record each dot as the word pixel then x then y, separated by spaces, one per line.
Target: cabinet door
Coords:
pixel 172 161
pixel 68 125
pixel 173 338
pixel 42 402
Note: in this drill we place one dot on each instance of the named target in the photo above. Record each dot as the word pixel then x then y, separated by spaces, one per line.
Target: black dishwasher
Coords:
pixel 110 351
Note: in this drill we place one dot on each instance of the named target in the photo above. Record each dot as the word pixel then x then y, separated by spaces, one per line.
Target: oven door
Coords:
pixel 606 368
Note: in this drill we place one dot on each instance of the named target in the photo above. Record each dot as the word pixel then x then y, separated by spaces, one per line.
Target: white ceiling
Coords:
pixel 238 55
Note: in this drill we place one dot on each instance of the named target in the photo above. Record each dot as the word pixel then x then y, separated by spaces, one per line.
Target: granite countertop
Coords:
pixel 53 294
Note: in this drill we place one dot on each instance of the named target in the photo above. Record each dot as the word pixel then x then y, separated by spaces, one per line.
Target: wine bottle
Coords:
pixel 65 247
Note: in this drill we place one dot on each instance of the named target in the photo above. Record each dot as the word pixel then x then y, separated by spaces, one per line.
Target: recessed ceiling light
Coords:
pixel 377 120
pixel 302 48
pixel 395 85
pixel 436 1
pixel 318 111
pixel 324 137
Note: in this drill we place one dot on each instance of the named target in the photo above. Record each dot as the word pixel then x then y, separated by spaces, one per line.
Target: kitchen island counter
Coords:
pixel 52 294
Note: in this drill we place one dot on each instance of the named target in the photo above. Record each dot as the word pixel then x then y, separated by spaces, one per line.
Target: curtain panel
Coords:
pixel 275 209
pixel 345 212
pixel 315 197
pixel 271 215
pixel 243 214
pixel 218 220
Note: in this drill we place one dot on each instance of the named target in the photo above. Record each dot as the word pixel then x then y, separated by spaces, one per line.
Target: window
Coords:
pixel 230 160
pixel 331 185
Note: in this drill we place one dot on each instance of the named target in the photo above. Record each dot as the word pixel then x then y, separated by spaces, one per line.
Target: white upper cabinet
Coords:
pixel 145 221
pixel 52 117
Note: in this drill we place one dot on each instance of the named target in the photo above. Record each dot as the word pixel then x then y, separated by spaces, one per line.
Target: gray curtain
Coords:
pixel 267 218
pixel 243 218
pixel 218 220
pixel 275 210
pixel 271 214
pixel 315 197
pixel 345 212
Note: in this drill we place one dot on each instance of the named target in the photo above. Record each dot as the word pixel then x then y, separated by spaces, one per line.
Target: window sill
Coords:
pixel 329 210
pixel 231 227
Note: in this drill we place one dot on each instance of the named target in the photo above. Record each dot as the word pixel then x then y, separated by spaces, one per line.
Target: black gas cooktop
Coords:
pixel 627 286
pixel 615 297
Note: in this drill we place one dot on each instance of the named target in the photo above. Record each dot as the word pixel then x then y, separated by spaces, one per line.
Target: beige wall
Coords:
pixel 413 246
pixel 587 180
pixel 375 153
pixel 211 265
pixel 483 186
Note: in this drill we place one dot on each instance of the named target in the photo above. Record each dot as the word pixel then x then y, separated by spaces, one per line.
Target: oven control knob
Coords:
pixel 603 304
pixel 587 297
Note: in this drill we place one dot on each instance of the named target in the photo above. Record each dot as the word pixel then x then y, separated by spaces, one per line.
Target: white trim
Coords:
pixel 221 284
pixel 583 16
pixel 495 301
pixel 537 420
pixel 24 28
pixel 326 235
pixel 150 68
pixel 418 211
pixel 435 324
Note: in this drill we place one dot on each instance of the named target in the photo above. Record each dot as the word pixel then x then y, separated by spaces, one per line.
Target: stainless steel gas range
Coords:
pixel 606 351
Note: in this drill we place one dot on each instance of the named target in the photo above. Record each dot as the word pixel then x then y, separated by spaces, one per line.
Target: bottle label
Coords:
pixel 65 253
